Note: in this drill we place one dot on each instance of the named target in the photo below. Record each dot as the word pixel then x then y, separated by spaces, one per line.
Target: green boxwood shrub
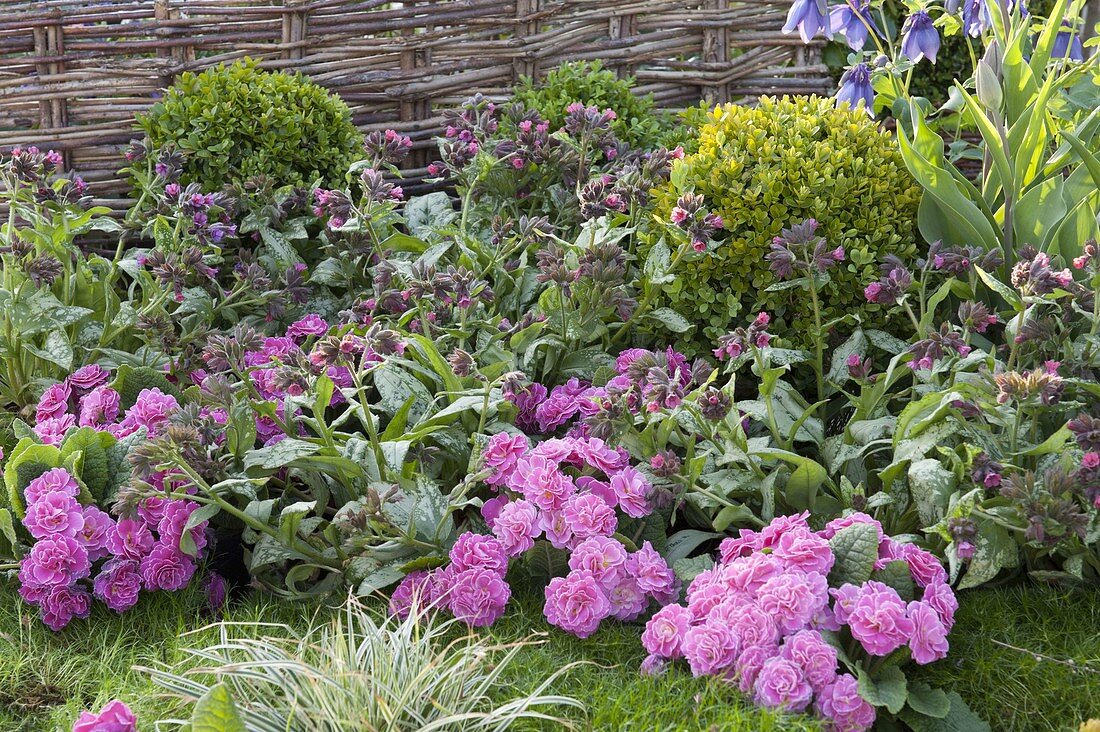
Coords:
pixel 589 83
pixel 766 167
pixel 238 122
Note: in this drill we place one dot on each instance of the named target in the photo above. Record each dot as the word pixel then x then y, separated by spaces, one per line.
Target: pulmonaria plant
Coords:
pixel 370 205
pixel 801 259
pixel 48 280
pixel 567 494
pixel 508 159
pixel 1005 392
pixel 814 621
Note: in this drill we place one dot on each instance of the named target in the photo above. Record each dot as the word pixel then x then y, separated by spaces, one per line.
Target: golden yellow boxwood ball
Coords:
pixel 766 167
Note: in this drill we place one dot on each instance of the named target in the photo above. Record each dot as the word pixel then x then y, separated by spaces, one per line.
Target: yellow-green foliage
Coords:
pixel 766 167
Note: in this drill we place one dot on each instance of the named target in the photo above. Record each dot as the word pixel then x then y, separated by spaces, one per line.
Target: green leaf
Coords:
pixel 838 364
pixel 733 514
pixel 56 349
pixel 1010 295
pixel 544 562
pixel 689 569
pixel 896 574
pixel 657 264
pixel 280 248
pixel 215 711
pixel 960 718
pixel 856 549
pixel 1052 444
pixel 671 320
pixel 994 550
pixel 370 576
pixel 1039 211
pixel 395 386
pixel 684 542
pixel 885 689
pixel 947 211
pixel 279 454
pixel 803 484
pixel 929 701
pixel 931 486
pixel 7 531
pixel 424 214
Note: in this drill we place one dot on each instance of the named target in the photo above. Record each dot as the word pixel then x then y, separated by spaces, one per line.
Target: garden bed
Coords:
pixel 753 416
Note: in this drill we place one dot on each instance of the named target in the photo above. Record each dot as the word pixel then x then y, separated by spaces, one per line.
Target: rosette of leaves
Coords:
pixel 237 122
pixel 763 168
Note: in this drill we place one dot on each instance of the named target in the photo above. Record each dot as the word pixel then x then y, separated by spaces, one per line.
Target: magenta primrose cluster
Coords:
pixel 85 400
pixel 569 492
pixel 127 556
pixel 76 543
pixel 765 618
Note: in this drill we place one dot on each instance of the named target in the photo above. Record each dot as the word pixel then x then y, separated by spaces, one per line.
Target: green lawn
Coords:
pixel 45 679
pixel 1049 679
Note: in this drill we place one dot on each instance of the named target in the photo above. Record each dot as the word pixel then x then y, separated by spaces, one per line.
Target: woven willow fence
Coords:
pixel 72 74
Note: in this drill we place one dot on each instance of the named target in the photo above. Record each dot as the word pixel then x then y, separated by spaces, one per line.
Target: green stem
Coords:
pixel 647 299
pixel 208 493
pixel 819 339
pixel 773 426
pixel 368 419
pixel 467 199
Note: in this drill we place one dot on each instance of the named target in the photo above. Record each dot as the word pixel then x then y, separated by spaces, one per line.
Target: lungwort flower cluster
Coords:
pixel 568 492
pixel 773 612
